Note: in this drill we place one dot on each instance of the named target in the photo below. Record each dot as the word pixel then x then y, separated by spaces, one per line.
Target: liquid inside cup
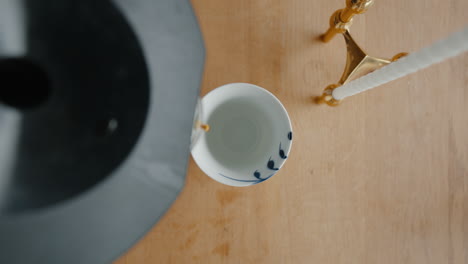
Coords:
pixel 241 133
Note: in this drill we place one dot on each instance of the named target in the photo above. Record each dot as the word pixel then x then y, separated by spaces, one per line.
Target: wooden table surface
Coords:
pixel 383 178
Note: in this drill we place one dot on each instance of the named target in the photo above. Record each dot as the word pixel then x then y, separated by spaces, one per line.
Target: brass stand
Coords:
pixel 358 63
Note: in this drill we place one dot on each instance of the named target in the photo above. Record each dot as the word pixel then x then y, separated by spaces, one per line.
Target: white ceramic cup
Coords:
pixel 250 136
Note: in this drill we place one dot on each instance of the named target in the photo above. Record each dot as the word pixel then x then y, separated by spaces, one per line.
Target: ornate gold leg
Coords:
pixel 326 97
pixel 358 63
pixel 341 20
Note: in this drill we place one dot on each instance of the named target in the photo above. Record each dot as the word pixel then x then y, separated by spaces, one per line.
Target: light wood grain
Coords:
pixel 383 178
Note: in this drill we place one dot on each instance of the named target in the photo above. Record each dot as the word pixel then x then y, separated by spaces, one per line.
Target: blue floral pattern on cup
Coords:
pixel 270 166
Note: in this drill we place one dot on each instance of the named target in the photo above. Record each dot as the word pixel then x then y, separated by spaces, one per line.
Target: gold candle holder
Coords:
pixel 358 62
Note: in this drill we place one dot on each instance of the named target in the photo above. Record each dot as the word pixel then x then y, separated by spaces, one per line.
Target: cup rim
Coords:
pixel 276 162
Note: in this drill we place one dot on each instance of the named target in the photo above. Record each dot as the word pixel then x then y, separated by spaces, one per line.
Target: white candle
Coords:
pixel 437 52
